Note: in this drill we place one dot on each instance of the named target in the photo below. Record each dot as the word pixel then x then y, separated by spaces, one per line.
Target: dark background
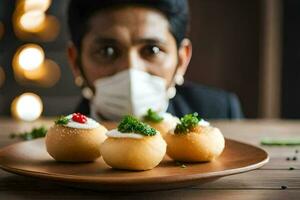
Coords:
pixel 226 37
pixel 291 60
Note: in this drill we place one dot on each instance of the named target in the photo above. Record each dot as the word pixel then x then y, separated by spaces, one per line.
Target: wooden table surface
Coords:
pixel 264 183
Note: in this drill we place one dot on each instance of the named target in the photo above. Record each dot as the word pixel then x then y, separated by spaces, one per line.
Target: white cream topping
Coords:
pixel 173 121
pixel 117 134
pixel 170 119
pixel 202 122
pixel 89 124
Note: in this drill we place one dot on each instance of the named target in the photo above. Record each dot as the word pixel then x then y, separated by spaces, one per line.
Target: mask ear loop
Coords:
pixel 82 82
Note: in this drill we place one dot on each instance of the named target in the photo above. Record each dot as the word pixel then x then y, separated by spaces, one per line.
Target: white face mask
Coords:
pixel 129 92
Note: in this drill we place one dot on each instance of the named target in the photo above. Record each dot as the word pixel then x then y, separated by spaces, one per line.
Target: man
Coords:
pixel 131 55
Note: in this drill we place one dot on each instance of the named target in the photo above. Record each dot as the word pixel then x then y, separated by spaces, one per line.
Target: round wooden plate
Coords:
pixel 31 159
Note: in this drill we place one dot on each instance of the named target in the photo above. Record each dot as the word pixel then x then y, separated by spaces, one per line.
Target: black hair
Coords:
pixel 80 11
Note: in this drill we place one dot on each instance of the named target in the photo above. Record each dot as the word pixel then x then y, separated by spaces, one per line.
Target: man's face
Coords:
pixel 128 37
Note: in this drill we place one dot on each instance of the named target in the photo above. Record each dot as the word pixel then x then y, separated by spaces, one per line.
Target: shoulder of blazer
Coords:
pixel 214 102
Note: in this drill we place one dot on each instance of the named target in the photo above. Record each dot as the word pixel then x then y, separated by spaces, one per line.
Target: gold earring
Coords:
pixel 79 81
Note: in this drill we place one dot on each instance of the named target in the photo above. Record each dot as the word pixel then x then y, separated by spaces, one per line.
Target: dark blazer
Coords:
pixel 209 103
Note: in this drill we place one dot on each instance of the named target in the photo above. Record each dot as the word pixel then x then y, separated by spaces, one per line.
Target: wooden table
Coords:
pixel 265 183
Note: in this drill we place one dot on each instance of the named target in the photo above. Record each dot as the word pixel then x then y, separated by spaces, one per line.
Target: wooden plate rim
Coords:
pixel 162 179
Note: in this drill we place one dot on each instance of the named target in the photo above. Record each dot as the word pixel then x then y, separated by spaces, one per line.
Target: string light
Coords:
pixel 46 75
pixel 32 21
pixel 52 74
pixel 27 107
pixel 30 57
pixel 41 5
pixel 31 67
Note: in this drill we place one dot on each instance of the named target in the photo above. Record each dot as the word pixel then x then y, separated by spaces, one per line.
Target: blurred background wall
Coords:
pixel 247 47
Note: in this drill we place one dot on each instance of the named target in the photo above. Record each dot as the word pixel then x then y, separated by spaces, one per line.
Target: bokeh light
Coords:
pixel 32 21
pixel 32 68
pixel 50 30
pixel 47 32
pixel 45 76
pixel 52 74
pixel 30 57
pixel 27 107
pixel 41 5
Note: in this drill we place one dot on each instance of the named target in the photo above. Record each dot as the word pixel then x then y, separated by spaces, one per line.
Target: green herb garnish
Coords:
pixel 130 124
pixel 33 134
pixel 153 116
pixel 280 142
pixel 62 120
pixel 187 123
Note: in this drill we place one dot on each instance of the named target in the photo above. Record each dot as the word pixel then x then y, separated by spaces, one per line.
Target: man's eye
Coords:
pixel 151 50
pixel 108 52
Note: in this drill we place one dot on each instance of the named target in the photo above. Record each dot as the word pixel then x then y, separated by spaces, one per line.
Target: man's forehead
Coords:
pixel 134 21
pixel 128 14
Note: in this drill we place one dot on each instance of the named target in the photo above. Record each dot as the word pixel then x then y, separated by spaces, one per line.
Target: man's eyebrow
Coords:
pixel 150 40
pixel 105 40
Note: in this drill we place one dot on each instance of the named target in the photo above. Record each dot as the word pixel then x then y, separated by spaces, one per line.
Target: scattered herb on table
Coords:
pixel 30 135
pixel 130 124
pixel 280 142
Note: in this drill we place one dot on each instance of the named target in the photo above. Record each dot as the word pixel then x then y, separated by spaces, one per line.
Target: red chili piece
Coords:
pixel 78 117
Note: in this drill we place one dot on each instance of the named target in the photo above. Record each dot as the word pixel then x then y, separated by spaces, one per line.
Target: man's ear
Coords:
pixel 73 58
pixel 184 56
